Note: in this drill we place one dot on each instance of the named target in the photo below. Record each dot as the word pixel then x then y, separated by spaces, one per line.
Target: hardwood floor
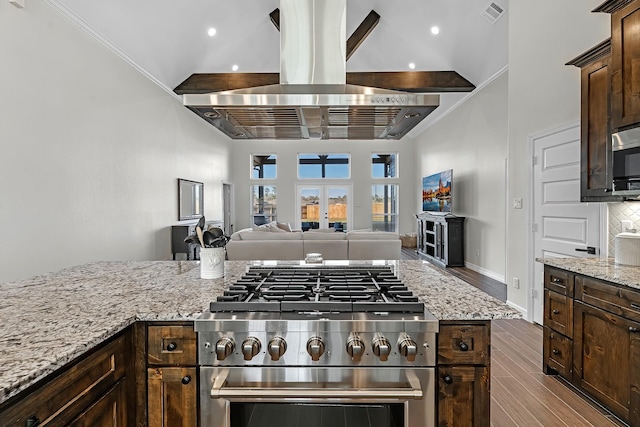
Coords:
pixel 521 394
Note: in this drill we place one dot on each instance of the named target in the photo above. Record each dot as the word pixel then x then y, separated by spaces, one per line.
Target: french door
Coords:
pixel 323 206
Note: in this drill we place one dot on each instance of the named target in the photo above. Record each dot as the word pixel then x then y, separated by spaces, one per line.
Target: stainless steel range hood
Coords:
pixel 313 99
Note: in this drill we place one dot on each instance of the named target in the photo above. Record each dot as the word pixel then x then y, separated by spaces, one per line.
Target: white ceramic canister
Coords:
pixel 627 249
pixel 211 263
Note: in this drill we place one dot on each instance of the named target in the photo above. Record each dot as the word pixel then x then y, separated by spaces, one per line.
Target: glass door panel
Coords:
pixel 323 206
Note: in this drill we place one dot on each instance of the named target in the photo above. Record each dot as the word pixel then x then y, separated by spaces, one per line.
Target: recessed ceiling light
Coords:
pixel 234 67
pixel 212 32
pixel 435 30
pixel 412 65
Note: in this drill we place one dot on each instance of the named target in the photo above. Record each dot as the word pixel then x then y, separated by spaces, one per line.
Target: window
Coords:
pixel 384 165
pixel 316 166
pixel 384 207
pixel 263 166
pixel 263 204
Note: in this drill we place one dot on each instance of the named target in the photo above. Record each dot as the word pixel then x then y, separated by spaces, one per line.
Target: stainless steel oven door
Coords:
pixel 408 391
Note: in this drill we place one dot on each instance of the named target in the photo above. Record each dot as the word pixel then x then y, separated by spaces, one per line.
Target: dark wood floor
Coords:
pixel 521 394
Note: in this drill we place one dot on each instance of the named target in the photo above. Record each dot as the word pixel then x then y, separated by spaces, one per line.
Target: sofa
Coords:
pixel 265 243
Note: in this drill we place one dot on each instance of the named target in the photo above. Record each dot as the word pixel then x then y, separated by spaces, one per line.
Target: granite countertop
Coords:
pixel 49 320
pixel 599 268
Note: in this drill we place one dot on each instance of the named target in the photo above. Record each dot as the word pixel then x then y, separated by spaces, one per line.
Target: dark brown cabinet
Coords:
pixel 91 391
pixel 464 374
pixel 592 338
pixel 625 62
pixel 172 382
pixel 606 359
pixel 596 161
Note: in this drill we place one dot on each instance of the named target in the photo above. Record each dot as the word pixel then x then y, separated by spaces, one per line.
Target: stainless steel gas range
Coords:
pixel 317 345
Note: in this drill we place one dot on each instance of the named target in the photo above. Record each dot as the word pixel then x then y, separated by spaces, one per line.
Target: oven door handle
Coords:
pixel 219 391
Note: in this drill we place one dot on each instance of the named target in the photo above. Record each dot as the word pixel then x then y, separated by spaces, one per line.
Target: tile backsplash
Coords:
pixel 620 211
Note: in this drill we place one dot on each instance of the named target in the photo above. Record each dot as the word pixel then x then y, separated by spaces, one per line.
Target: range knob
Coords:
pixel 224 347
pixel 277 348
pixel 315 348
pixel 251 347
pixel 355 347
pixel 408 347
pixel 381 348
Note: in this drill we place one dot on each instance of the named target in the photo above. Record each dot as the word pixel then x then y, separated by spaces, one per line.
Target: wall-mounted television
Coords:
pixel 437 192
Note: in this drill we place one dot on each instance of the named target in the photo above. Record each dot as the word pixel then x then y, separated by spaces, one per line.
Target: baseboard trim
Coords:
pixel 520 309
pixel 485 272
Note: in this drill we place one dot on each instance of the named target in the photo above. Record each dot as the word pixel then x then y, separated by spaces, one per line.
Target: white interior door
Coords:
pixel 323 206
pixel 562 225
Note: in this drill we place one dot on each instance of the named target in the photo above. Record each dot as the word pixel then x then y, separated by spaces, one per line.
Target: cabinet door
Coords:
pixel 596 181
pixel 172 397
pixel 604 346
pixel 625 66
pixel 463 396
pixel 108 411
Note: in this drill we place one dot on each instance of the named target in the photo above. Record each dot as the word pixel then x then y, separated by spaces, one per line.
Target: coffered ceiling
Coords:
pixel 168 39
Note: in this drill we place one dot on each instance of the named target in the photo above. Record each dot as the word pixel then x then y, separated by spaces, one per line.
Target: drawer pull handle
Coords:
pixel 555 351
pixel 186 379
pixel 636 306
pixel 448 379
pixel 463 346
pixel 633 329
pixel 32 421
pixel 172 346
pixel 556 312
pixel 556 280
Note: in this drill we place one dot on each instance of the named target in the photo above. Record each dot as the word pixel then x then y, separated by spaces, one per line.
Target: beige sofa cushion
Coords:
pixel 269 235
pixel 265 250
pixel 372 235
pixel 334 249
pixel 372 249
pixel 310 235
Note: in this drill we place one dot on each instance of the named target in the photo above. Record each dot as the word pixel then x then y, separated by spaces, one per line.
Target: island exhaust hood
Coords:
pixel 313 100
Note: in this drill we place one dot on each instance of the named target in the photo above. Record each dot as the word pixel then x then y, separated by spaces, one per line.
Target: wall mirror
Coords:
pixel 190 199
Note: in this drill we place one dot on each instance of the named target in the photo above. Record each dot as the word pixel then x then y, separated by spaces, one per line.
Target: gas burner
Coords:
pixel 338 290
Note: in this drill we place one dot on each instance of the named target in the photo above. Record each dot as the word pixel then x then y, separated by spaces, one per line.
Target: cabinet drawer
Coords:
pixel 171 345
pixel 559 281
pixel 558 313
pixel 464 343
pixel 615 299
pixel 60 400
pixel 558 353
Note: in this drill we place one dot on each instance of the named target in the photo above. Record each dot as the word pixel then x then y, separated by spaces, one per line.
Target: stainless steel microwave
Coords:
pixel 626 162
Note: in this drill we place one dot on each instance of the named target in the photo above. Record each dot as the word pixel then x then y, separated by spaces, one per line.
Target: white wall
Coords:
pixel 472 140
pixel 360 151
pixel 543 94
pixel 91 150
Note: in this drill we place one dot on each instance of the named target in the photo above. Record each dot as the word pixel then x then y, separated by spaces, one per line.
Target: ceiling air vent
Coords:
pixel 493 12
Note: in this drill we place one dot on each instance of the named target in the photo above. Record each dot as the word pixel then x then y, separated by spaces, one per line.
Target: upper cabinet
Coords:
pixel 625 62
pixel 596 180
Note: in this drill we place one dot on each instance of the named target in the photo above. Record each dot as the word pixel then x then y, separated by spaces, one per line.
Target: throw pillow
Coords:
pixel 284 226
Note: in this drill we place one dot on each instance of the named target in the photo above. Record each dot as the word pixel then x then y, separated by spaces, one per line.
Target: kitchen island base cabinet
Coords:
pixel 173 395
pixel 172 390
pixel 464 355
pixel 91 391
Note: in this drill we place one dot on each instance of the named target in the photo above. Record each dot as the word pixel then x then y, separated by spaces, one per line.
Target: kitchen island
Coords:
pixel 50 320
pixel 592 330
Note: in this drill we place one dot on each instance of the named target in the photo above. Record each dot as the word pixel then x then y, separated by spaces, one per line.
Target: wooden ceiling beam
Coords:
pixel 407 81
pixel 355 40
pixel 361 33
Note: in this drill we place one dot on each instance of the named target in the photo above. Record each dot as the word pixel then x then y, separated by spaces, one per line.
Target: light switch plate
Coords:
pixel 517 203
pixel 17 3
